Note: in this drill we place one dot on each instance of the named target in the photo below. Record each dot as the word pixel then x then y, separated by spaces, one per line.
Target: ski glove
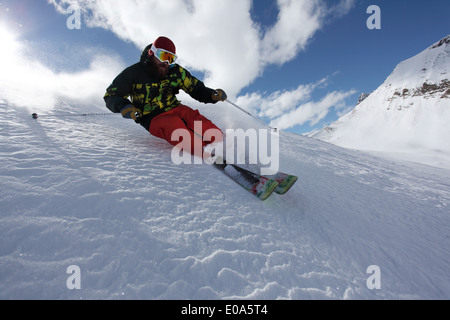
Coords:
pixel 131 112
pixel 219 95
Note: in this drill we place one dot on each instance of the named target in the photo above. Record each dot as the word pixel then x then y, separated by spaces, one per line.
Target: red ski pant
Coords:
pixel 183 117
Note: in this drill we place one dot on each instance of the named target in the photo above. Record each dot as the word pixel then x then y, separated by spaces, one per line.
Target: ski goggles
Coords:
pixel 163 55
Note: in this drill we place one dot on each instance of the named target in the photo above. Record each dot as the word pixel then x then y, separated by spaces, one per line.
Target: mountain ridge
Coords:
pixel 408 112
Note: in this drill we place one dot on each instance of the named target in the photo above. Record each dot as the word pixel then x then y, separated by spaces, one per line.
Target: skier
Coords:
pixel 152 85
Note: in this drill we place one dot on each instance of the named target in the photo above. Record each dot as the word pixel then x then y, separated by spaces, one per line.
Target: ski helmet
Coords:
pixel 160 43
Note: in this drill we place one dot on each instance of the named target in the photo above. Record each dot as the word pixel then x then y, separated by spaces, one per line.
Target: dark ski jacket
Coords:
pixel 136 85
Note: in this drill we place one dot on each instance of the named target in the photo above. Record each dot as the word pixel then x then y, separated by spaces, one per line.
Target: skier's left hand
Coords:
pixel 219 95
pixel 130 112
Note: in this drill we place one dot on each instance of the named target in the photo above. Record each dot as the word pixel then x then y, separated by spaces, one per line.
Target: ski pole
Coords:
pixel 245 111
pixel 35 115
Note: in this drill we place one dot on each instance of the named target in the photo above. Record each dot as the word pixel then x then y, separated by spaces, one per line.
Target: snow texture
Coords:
pixel 102 194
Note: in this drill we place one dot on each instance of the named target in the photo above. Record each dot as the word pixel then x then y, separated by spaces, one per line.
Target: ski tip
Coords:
pixel 270 187
pixel 286 185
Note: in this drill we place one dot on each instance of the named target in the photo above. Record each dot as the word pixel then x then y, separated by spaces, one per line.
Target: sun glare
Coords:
pixel 10 47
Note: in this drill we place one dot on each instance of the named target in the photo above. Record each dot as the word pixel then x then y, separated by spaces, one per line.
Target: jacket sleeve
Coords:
pixel 195 88
pixel 118 93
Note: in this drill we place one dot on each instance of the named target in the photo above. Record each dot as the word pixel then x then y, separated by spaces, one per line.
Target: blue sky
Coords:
pixel 296 64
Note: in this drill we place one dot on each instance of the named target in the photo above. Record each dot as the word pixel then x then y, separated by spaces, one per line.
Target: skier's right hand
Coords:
pixel 131 112
pixel 219 95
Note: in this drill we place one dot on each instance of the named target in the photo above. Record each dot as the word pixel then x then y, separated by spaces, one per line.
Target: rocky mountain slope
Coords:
pixel 407 115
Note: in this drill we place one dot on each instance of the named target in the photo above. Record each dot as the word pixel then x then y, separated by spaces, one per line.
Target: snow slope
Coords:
pixel 102 194
pixel 407 116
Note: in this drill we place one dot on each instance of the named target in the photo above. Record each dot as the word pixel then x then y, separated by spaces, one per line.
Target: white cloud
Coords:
pixel 26 82
pixel 286 109
pixel 279 102
pixel 217 37
pixel 312 111
pixel 341 9
pixel 298 20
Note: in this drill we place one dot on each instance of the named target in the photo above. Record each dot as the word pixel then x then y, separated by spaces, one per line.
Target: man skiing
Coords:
pixel 152 85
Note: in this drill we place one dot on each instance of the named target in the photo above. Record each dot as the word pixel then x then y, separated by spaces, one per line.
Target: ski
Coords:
pixel 285 182
pixel 260 186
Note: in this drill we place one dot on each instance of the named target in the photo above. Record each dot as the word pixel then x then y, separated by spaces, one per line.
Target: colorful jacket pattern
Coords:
pixel 137 86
